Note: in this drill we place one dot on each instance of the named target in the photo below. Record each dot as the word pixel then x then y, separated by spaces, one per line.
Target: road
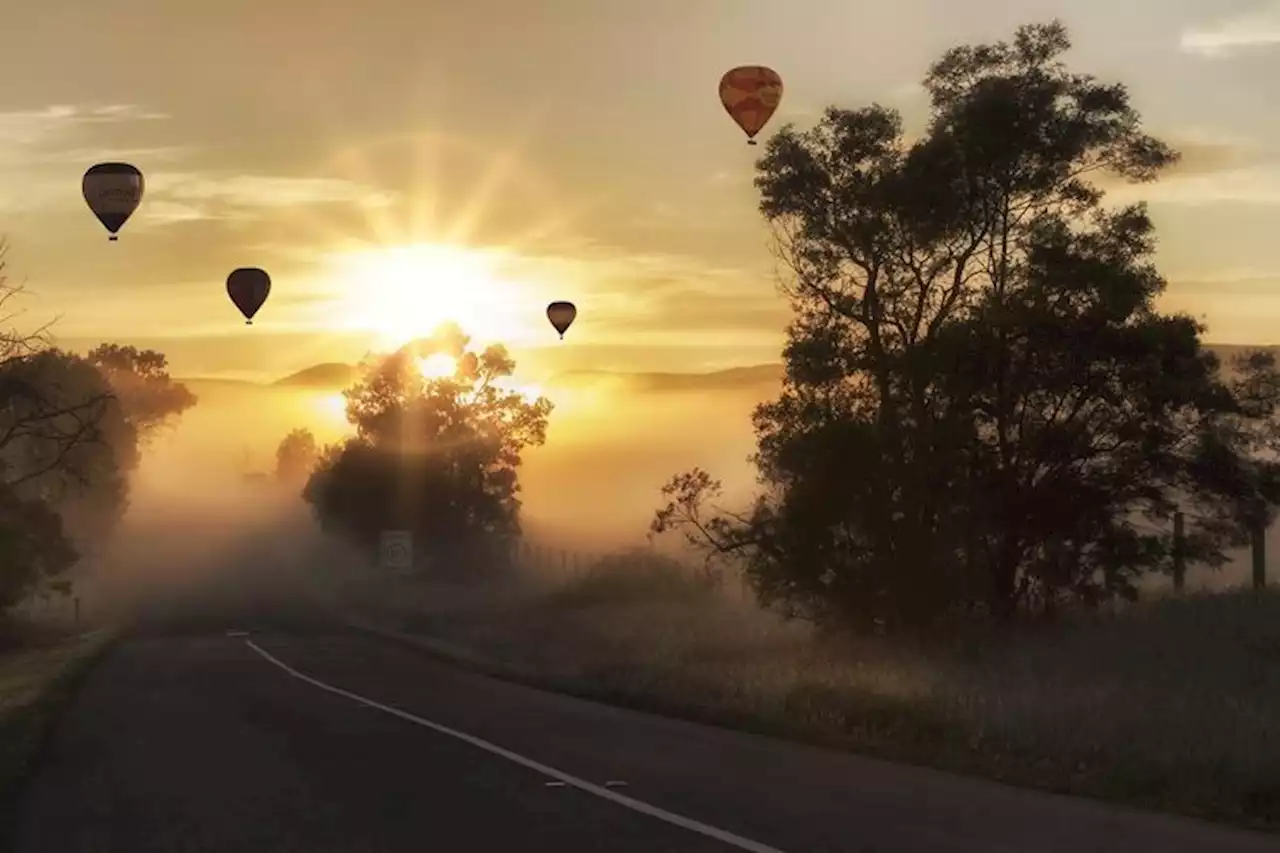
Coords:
pixel 305 737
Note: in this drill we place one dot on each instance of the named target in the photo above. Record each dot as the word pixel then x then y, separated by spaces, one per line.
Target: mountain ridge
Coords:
pixel 332 375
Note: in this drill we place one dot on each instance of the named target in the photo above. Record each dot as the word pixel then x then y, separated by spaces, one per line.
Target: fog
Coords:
pixel 195 516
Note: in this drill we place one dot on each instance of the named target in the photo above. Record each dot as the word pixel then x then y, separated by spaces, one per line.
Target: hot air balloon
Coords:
pixel 751 94
pixel 248 288
pixel 561 315
pixel 113 191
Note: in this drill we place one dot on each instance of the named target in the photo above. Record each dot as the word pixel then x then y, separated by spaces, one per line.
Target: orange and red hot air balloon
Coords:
pixel 751 94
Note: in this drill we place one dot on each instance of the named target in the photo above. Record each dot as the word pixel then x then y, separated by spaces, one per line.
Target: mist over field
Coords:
pixel 609 449
pixel 197 510
pixel 204 504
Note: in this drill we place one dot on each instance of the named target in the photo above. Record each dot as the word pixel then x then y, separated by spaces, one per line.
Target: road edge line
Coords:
pixel 569 779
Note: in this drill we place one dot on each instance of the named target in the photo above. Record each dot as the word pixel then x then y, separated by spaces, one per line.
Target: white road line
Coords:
pixel 568 779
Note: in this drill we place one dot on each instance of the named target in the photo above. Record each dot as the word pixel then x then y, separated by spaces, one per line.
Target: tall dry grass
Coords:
pixel 1173 703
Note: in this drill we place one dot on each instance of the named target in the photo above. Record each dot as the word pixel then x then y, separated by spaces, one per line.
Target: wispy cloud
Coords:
pixel 187 196
pixel 142 156
pixel 20 128
pixel 797 112
pixel 37 146
pixel 1259 29
pixel 162 212
pixel 1214 168
pixel 1248 185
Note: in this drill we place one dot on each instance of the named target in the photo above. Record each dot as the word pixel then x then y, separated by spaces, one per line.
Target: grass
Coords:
pixel 39 670
pixel 1173 704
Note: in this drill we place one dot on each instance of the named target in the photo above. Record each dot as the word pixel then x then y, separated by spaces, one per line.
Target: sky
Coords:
pixel 395 164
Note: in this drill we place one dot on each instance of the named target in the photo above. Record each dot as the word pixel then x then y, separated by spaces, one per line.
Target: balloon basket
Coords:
pixel 112 238
pixel 751 142
pixel 248 322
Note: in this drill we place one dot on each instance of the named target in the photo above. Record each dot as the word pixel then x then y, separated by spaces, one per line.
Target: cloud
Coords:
pixel 162 212
pixel 1230 282
pixel 139 155
pixel 657 298
pixel 797 112
pixel 1213 169
pixel 1247 185
pixel 1210 156
pixel 21 128
pixel 264 190
pixel 37 145
pixel 913 91
pixel 1255 30
pixel 174 197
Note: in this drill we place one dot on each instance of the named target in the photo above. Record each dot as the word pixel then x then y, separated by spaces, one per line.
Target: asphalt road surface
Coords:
pixel 305 737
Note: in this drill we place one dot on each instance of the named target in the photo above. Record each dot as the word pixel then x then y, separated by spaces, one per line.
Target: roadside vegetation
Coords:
pixel 1171 704
pixel 40 669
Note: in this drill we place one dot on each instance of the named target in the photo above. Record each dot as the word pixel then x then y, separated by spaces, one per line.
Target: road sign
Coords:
pixel 395 554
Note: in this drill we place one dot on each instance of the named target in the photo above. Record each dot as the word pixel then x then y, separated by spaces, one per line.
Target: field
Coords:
pixel 1172 704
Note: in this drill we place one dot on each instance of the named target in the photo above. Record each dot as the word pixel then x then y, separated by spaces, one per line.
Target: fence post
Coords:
pixel 1260 555
pixel 1179 552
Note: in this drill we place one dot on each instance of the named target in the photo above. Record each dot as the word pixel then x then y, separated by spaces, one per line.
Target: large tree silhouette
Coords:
pixel 981 403
pixel 435 456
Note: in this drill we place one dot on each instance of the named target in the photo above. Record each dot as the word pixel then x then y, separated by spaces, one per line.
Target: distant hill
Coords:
pixel 339 375
pixel 718 380
pixel 329 375
pixel 210 382
pixel 1226 352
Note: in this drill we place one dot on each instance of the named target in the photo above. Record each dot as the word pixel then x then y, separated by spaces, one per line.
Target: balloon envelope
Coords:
pixel 112 191
pixel 248 288
pixel 751 94
pixel 561 315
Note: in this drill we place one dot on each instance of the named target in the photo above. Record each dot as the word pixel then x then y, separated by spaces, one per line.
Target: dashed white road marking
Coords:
pixel 237 633
pixel 546 770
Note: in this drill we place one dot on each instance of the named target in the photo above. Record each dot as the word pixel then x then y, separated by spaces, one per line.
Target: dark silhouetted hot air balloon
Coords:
pixel 751 94
pixel 561 315
pixel 248 288
pixel 113 191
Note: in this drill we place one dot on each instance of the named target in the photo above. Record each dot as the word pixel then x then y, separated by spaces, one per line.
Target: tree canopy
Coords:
pixel 296 455
pixel 983 411
pixel 140 379
pixel 69 439
pixel 435 456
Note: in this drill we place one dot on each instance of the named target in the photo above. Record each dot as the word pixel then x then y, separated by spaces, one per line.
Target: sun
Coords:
pixel 438 366
pixel 404 292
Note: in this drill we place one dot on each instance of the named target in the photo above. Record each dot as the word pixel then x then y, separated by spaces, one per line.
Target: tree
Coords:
pixel 72 446
pixel 981 401
pixel 34 547
pixel 296 456
pixel 435 456
pixel 55 422
pixel 140 379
